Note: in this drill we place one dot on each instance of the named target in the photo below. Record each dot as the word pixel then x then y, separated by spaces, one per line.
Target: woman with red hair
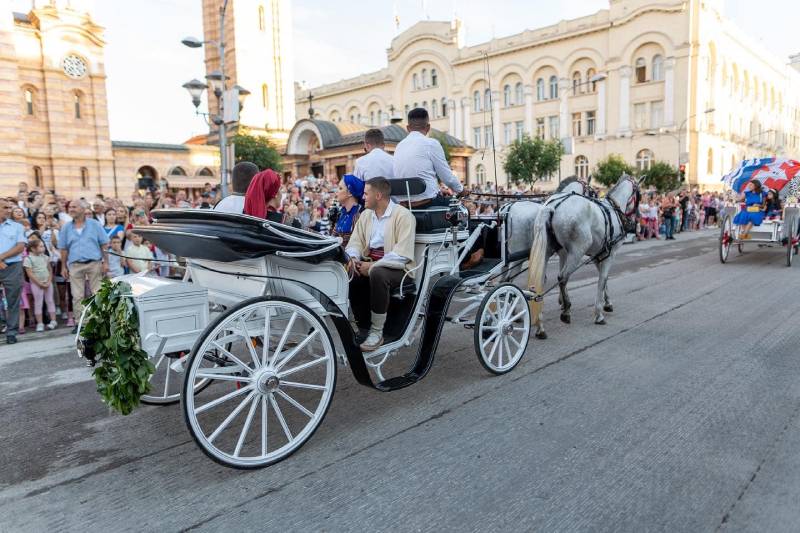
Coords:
pixel 261 199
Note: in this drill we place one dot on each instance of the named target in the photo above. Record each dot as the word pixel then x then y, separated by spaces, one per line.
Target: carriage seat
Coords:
pixel 430 219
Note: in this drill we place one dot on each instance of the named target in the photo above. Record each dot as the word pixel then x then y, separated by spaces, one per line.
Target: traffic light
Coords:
pixel 682 173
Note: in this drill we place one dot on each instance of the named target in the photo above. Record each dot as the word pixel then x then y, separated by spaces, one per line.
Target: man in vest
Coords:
pixel 381 251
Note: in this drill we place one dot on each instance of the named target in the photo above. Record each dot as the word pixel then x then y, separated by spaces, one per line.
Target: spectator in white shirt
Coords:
pixel 377 163
pixel 418 156
pixel 242 176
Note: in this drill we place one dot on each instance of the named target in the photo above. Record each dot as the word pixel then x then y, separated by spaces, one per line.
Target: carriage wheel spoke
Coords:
pixel 517 316
pixel 166 382
pixel 494 348
pixel 294 402
pixel 264 427
pixel 302 385
pixel 279 414
pixel 221 399
pixel 232 357
pixel 246 428
pixel 508 349
pixel 301 367
pixel 222 377
pixel 231 416
pixel 297 349
pixel 279 348
pixel 249 342
pixel 265 349
pixel 512 339
pixel 509 308
pixel 490 339
pixel 500 351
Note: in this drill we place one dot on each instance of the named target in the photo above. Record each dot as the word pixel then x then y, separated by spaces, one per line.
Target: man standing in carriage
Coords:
pixel 381 252
pixel 419 156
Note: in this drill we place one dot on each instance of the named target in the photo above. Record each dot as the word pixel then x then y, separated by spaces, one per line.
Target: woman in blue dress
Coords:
pixel 350 196
pixel 753 213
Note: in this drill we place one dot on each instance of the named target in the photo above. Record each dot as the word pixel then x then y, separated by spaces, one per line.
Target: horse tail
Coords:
pixel 537 262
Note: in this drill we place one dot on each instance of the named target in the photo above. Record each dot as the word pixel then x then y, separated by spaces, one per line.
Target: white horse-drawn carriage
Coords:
pixel 255 337
pixel 783 231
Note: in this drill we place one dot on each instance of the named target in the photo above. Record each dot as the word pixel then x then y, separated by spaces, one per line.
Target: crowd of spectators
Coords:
pixel 65 240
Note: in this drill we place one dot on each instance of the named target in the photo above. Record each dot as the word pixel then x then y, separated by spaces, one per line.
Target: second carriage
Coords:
pixel 261 374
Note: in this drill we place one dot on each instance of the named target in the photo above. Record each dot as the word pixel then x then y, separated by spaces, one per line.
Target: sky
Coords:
pixel 146 63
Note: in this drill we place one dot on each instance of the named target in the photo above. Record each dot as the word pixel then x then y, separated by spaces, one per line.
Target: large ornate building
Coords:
pixel 668 80
pixel 54 131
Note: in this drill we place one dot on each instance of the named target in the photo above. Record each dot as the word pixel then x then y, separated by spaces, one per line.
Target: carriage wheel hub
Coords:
pixel 268 382
pixel 506 328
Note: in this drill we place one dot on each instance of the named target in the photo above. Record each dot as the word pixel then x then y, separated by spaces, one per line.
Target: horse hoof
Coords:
pixel 608 308
pixel 600 321
pixel 541 335
pixel 566 319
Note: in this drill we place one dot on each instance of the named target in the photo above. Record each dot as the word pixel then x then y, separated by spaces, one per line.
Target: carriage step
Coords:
pixel 398 382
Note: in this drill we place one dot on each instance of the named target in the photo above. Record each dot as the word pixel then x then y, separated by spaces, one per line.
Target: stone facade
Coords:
pixel 54 131
pixel 258 57
pixel 634 79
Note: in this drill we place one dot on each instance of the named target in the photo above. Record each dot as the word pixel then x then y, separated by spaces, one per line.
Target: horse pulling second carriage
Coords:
pixel 261 373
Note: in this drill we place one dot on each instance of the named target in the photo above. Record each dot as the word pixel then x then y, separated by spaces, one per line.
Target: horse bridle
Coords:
pixel 627 217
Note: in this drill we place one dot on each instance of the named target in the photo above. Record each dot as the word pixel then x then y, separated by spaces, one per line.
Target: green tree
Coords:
pixel 528 160
pixel 608 170
pixel 442 140
pixel 257 150
pixel 662 176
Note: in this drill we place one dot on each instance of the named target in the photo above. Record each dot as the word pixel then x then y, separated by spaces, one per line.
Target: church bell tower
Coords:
pixel 258 57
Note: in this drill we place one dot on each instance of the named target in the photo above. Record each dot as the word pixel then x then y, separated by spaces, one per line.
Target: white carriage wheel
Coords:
pixel 502 328
pixel 270 389
pixel 725 239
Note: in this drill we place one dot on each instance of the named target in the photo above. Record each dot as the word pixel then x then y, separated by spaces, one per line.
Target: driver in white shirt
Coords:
pixel 242 176
pixel 419 156
pixel 377 163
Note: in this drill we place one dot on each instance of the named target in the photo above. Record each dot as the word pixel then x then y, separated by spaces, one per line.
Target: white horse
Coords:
pixel 575 226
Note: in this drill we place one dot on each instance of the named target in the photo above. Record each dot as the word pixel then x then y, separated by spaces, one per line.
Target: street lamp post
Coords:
pixel 218 82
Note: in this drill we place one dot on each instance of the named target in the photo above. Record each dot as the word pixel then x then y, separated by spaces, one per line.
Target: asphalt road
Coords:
pixel 681 414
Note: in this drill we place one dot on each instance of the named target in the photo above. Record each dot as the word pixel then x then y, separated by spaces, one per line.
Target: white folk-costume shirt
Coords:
pixel 376 164
pixel 233 203
pixel 418 156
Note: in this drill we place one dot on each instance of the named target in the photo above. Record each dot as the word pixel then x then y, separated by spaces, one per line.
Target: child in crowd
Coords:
pixel 141 254
pixel 114 260
pixel 37 268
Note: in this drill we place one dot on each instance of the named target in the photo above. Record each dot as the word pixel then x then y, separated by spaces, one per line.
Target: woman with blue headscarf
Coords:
pixel 350 197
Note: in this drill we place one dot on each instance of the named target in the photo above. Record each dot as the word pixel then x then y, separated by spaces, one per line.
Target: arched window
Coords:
pixel 553 87
pixel 576 82
pixel 434 109
pixel 476 101
pixel 592 84
pixel 582 166
pixel 177 171
pixel 710 161
pixel 658 67
pixel 425 78
pixel 434 78
pixel 265 96
pixel 407 109
pixel 425 105
pixel 641 70
pixel 372 118
pixel 507 95
pixel 519 97
pixel 261 22
pixel 29 101
pixel 84 178
pixel 444 107
pixel 206 172
pixel 480 174
pixel 37 177
pixel 487 100
pixel 77 103
pixel 540 89
pixel 415 82
pixel 644 160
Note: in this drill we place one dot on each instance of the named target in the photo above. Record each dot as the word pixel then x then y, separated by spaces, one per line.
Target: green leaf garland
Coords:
pixel 111 343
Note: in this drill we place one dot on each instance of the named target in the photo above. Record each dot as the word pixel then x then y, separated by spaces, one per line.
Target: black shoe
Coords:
pixel 75 330
pixel 11 339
